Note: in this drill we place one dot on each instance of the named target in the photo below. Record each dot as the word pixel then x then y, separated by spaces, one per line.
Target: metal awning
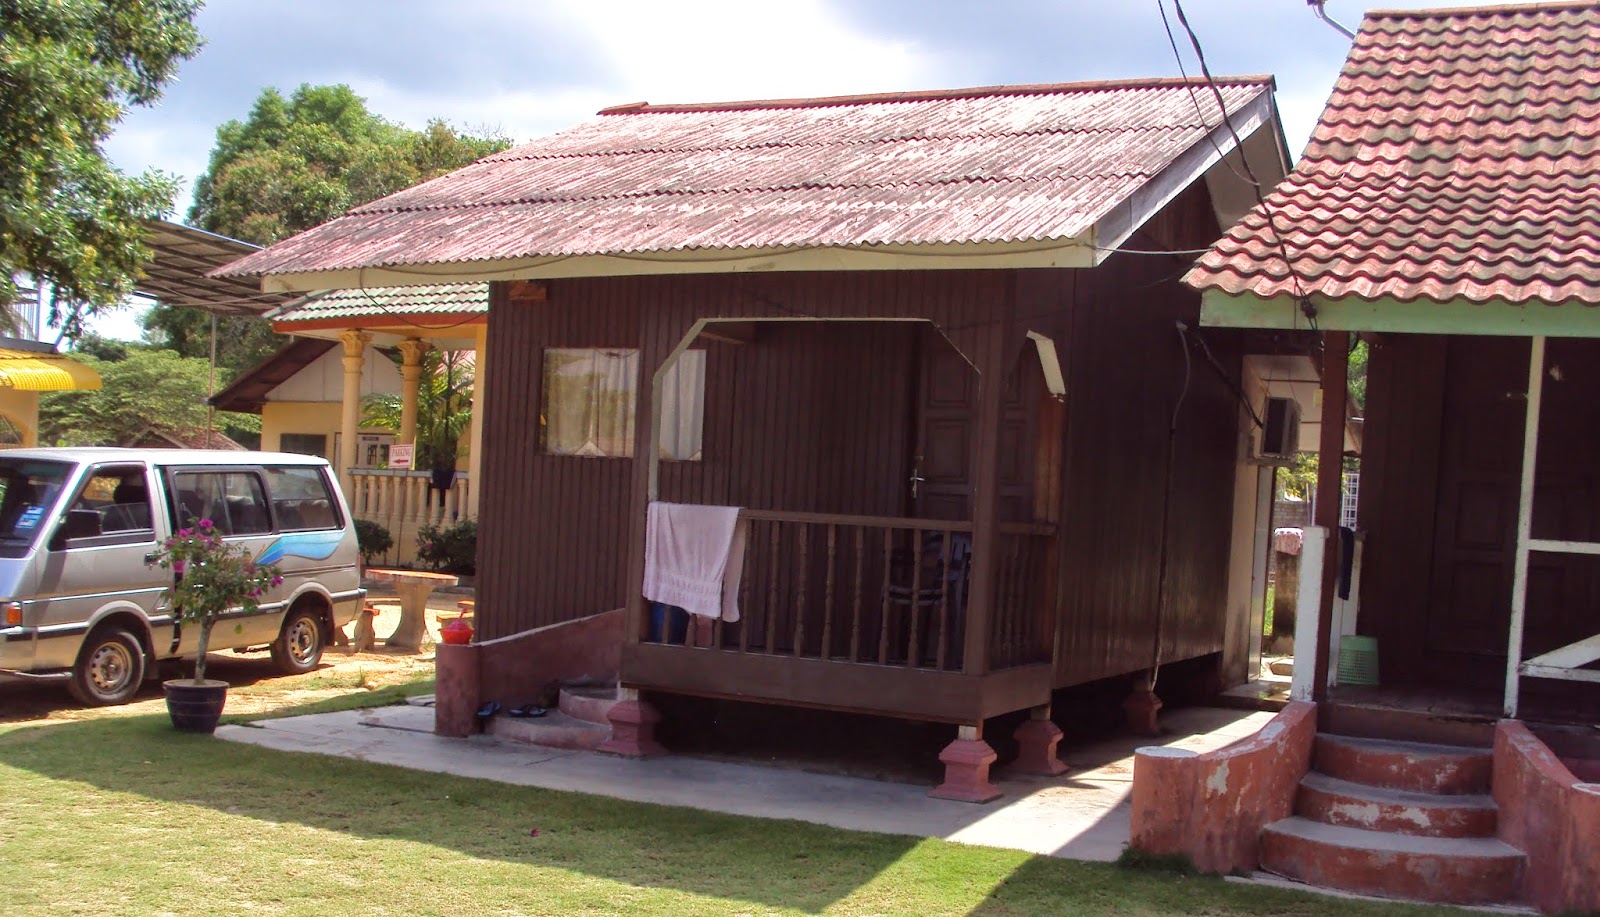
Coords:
pixel 33 371
pixel 183 255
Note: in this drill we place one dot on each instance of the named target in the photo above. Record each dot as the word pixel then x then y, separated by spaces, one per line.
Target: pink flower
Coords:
pixel 205 523
pixel 277 581
pixel 185 533
pixel 177 567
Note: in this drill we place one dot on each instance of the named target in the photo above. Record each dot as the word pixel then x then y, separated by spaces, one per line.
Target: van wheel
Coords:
pixel 109 671
pixel 298 648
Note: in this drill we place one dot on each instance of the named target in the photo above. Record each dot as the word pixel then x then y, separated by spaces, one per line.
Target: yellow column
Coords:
pixel 355 348
pixel 412 351
pixel 475 437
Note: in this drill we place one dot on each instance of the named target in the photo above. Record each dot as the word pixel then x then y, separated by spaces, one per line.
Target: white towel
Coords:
pixel 694 558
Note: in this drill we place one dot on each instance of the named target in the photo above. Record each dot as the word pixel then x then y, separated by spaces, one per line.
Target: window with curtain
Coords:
pixel 591 396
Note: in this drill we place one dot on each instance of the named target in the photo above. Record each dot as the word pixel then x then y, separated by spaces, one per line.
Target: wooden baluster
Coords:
pixel 855 610
pixel 744 594
pixel 827 597
pixel 944 603
pixel 771 636
pixel 915 612
pixel 800 591
pixel 883 626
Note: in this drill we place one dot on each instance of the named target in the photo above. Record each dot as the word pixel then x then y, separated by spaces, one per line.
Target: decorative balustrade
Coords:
pixel 881 590
pixel 402 502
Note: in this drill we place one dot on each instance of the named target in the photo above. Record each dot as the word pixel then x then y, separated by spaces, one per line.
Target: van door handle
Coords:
pixel 152 558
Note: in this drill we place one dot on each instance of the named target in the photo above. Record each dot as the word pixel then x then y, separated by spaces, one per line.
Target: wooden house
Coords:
pixel 1447 212
pixel 932 344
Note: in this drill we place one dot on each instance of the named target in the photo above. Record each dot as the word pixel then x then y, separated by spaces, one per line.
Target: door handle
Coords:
pixel 152 558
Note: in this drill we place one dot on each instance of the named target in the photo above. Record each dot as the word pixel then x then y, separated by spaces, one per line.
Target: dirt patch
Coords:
pixel 255 686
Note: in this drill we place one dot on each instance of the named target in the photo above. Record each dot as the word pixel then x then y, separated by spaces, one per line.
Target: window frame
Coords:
pixel 340 523
pixel 174 510
pixel 144 536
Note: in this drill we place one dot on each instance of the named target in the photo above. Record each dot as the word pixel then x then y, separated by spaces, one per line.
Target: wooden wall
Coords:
pixel 1440 479
pixel 817 416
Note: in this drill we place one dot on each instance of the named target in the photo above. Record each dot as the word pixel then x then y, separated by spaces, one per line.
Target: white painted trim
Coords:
pixel 1050 363
pixel 1313 550
pixel 1544 671
pixel 1548 546
pixel 1519 574
pixel 1571 656
pixel 1496 317
pixel 1077 251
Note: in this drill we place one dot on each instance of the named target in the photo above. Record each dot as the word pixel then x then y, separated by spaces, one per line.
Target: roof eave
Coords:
pixel 1498 317
pixel 1071 252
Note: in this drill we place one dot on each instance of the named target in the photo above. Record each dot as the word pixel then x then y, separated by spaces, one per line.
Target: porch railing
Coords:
pixel 395 498
pixel 881 590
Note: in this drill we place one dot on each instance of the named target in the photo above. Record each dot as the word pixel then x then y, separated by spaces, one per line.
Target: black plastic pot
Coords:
pixel 195 707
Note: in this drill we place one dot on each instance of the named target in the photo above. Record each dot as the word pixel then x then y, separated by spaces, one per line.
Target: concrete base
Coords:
pixel 966 772
pixel 458 688
pixel 1036 748
pixel 1142 708
pixel 633 730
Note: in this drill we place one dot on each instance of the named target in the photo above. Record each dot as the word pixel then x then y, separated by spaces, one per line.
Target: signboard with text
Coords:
pixel 400 456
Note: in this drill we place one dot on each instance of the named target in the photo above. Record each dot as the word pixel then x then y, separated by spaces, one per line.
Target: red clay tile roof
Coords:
pixel 429 299
pixel 999 164
pixel 1458 158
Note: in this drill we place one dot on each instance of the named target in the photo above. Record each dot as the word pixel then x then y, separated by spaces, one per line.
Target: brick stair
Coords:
pixel 579 721
pixel 1396 819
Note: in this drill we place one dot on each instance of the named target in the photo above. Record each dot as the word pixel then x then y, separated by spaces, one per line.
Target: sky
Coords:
pixel 527 68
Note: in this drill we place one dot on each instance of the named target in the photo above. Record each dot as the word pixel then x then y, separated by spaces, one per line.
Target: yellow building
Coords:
pixel 26 369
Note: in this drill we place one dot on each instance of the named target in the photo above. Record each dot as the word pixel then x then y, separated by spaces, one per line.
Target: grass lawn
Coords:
pixel 118 813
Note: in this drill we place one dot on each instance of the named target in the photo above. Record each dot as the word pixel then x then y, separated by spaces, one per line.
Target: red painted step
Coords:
pixel 553 730
pixel 1358 805
pixel 1413 766
pixel 1478 870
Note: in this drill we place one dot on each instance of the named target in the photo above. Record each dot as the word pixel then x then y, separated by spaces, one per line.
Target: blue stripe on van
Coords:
pixel 310 545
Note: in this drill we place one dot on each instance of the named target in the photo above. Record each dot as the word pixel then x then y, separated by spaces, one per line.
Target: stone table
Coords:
pixel 413 588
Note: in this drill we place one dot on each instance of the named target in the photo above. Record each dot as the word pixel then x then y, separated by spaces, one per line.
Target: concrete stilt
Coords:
pixel 966 768
pixel 1142 707
pixel 633 727
pixel 1037 738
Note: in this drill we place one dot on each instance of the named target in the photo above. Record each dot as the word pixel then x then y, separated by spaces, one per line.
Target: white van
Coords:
pixel 82 597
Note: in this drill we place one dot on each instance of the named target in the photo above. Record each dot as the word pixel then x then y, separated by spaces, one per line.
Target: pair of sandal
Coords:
pixel 526 710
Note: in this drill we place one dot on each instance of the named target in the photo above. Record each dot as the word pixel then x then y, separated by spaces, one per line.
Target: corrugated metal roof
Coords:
pixel 1458 158
pixel 433 299
pixel 999 164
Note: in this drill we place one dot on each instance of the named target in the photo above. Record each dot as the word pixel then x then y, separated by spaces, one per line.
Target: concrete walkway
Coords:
pixel 1081 815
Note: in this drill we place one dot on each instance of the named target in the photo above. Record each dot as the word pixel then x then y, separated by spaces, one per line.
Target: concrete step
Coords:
pixel 553 730
pixel 1446 870
pixel 590 703
pixel 1358 805
pixel 1414 766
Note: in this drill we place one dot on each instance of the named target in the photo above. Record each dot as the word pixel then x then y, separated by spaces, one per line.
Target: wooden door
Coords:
pixel 944 415
pixel 1480 459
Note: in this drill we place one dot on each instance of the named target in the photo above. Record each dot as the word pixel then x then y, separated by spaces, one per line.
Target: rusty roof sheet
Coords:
pixel 1458 158
pixel 431 299
pixel 998 164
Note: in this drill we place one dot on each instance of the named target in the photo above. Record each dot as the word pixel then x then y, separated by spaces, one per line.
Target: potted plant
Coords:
pixel 210 577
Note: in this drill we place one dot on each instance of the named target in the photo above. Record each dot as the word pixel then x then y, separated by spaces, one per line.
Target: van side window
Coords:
pixel 232 500
pixel 301 499
pixel 121 497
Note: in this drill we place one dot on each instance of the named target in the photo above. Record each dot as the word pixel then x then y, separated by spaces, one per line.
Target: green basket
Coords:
pixel 1358 660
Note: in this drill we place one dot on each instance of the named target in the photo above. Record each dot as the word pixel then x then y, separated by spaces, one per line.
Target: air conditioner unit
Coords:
pixel 1280 430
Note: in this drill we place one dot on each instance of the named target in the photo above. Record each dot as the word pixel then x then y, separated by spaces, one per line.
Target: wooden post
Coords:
pixel 985 498
pixel 1519 570
pixel 1330 479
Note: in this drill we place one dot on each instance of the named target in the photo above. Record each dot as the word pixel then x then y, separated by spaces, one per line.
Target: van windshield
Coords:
pixel 28 488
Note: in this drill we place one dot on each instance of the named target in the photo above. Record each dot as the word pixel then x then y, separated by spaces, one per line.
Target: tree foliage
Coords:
pixel 295 163
pixel 300 161
pixel 69 70
pixel 146 388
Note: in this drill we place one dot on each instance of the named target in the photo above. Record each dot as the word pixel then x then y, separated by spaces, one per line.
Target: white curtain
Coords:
pixel 683 407
pixel 591 397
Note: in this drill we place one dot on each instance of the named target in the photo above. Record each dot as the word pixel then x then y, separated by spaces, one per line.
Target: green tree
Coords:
pixel 69 70
pixel 145 388
pixel 294 163
pixel 444 409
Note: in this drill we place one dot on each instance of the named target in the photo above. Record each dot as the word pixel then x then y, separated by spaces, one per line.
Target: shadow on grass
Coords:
pixel 780 864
